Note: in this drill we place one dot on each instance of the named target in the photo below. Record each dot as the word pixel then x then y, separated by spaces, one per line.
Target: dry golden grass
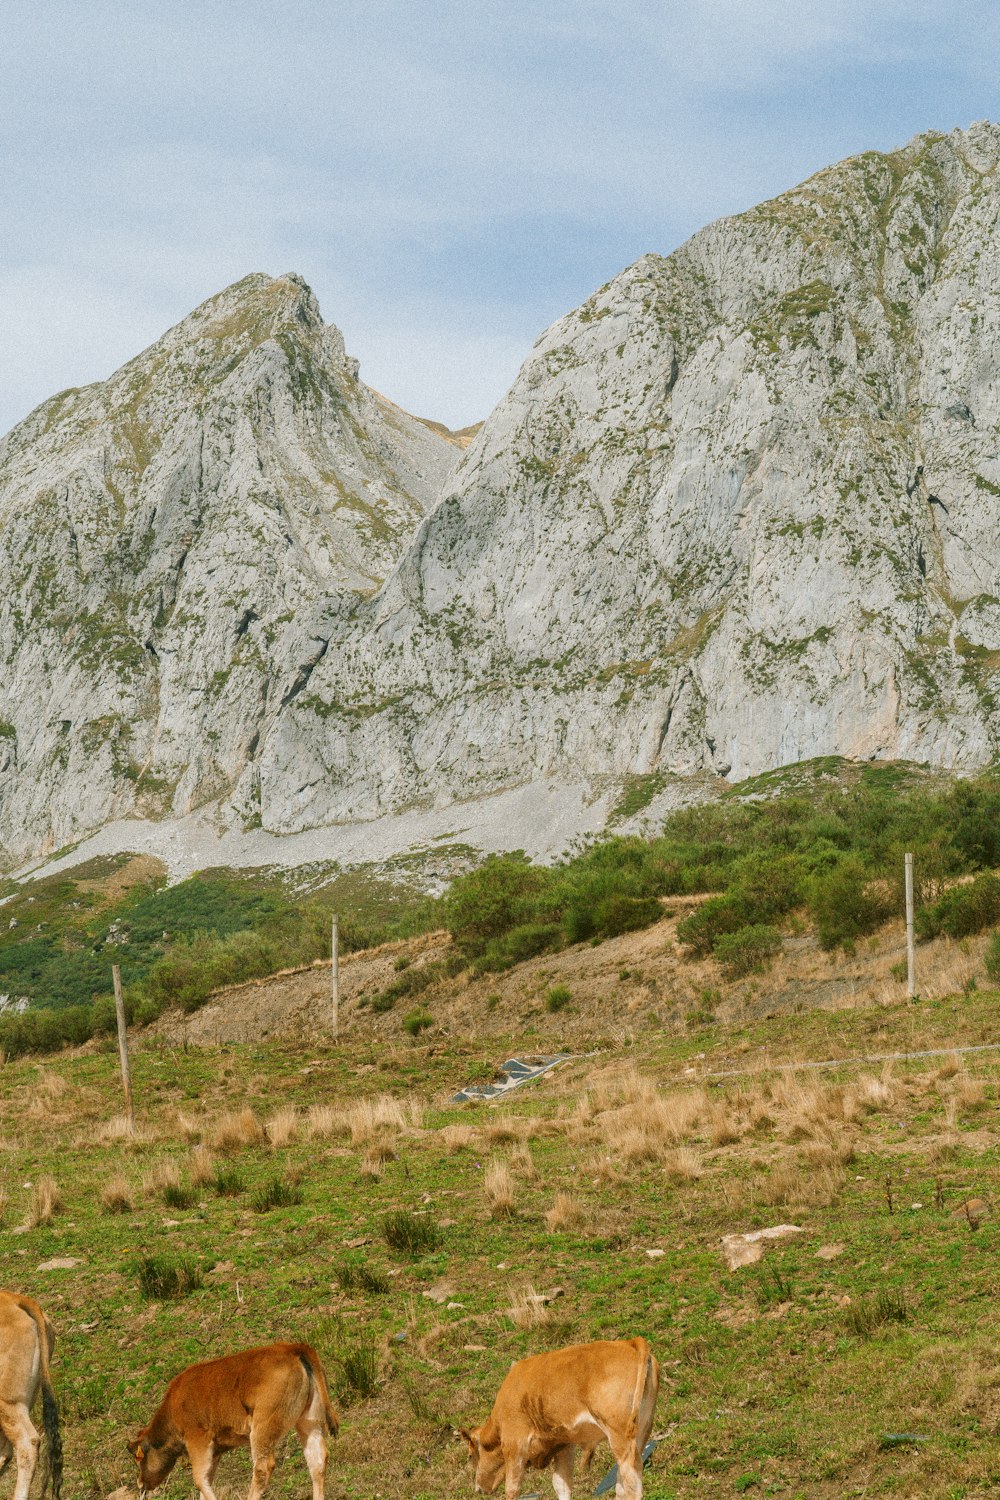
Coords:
pixel 527 1309
pixel 970 1094
pixel 236 1131
pixel 188 1128
pixel 456 1138
pixel 835 1151
pixel 119 1130
pixel 649 1129
pixel 682 1165
pixel 372 1166
pixel 46 1202
pixel 566 1213
pixel 877 1093
pixel 161 1176
pixel 50 1086
pixel 948 1067
pixel 498 1185
pixel 522 1163
pixel 202 1166
pixel 283 1127
pixel 723 1128
pixel 375 1119
pixel 116 1195
pixel 787 1184
pixel 3 1204
pixel 321 1121
pixel 505 1129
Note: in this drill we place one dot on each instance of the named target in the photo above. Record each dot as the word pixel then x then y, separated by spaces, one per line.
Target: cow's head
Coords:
pixel 487 1455
pixel 153 1463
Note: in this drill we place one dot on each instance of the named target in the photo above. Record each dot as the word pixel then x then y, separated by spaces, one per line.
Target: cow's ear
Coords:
pixel 472 1442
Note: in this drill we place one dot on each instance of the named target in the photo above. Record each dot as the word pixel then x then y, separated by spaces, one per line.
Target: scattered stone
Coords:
pixel 544 1298
pixel 121 1493
pixel 976 1208
pixel 439 1292
pixel 656 1254
pixel 474 1348
pixel 220 1271
pixel 747 1249
pixel 60 1263
pixel 456 1306
pixel 361 1239
pixel 829 1252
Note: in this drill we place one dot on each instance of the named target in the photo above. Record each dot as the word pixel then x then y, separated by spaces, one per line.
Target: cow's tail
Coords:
pixel 647 1381
pixel 50 1407
pixel 317 1379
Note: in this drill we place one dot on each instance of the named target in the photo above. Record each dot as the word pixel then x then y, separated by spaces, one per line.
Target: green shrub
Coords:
pixel 416 1022
pixel 228 1182
pixel 846 904
pixel 162 1278
pixel 993 959
pixel 177 1196
pixel 410 1234
pixel 276 1193
pixel 865 1316
pixel 747 950
pixel 354 1355
pixel 487 903
pixel 356 1276
pixel 962 910
pixel 557 998
pixel 519 944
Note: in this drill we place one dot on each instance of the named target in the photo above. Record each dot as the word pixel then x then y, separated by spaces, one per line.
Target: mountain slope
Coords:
pixel 737 510
pixel 174 545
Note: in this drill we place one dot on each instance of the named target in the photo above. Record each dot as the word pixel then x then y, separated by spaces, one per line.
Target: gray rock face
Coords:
pixel 739 509
pixel 177 546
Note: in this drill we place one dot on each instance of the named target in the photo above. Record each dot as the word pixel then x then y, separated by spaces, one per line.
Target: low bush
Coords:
pixel 747 950
pixel 410 1234
pixel 276 1193
pixel 353 1276
pixel 993 959
pixel 557 998
pixel 846 904
pixel 417 1021
pixel 963 910
pixel 228 1182
pixel 179 1195
pixel 161 1278
pixel 865 1316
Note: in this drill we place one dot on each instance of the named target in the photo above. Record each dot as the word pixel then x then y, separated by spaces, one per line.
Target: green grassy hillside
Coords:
pixel 614 1182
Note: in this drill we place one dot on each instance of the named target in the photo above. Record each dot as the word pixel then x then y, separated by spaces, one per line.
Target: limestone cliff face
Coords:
pixel 739 509
pixel 176 545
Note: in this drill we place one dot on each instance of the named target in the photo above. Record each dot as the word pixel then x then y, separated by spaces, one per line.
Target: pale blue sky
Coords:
pixel 449 177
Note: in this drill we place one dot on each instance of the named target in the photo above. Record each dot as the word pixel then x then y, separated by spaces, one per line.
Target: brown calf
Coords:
pixel 26 1344
pixel 552 1404
pixel 244 1400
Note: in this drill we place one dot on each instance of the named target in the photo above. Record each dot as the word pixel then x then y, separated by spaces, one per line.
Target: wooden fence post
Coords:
pixel 116 975
pixel 335 975
pixel 911 963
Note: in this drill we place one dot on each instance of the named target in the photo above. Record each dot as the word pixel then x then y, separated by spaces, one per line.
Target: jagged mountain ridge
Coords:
pixel 739 509
pixel 175 545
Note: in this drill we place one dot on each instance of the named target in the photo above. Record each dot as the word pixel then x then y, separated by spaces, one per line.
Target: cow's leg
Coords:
pixel 562 1472
pixel 514 1466
pixel 629 1461
pixel 313 1435
pixel 23 1440
pixel 264 1438
pixel 204 1462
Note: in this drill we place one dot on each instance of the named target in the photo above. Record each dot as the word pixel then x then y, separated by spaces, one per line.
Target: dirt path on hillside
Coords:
pixel 618 989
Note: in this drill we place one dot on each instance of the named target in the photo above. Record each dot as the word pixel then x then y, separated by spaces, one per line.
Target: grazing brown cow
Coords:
pixel 244 1400
pixel 552 1404
pixel 26 1343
